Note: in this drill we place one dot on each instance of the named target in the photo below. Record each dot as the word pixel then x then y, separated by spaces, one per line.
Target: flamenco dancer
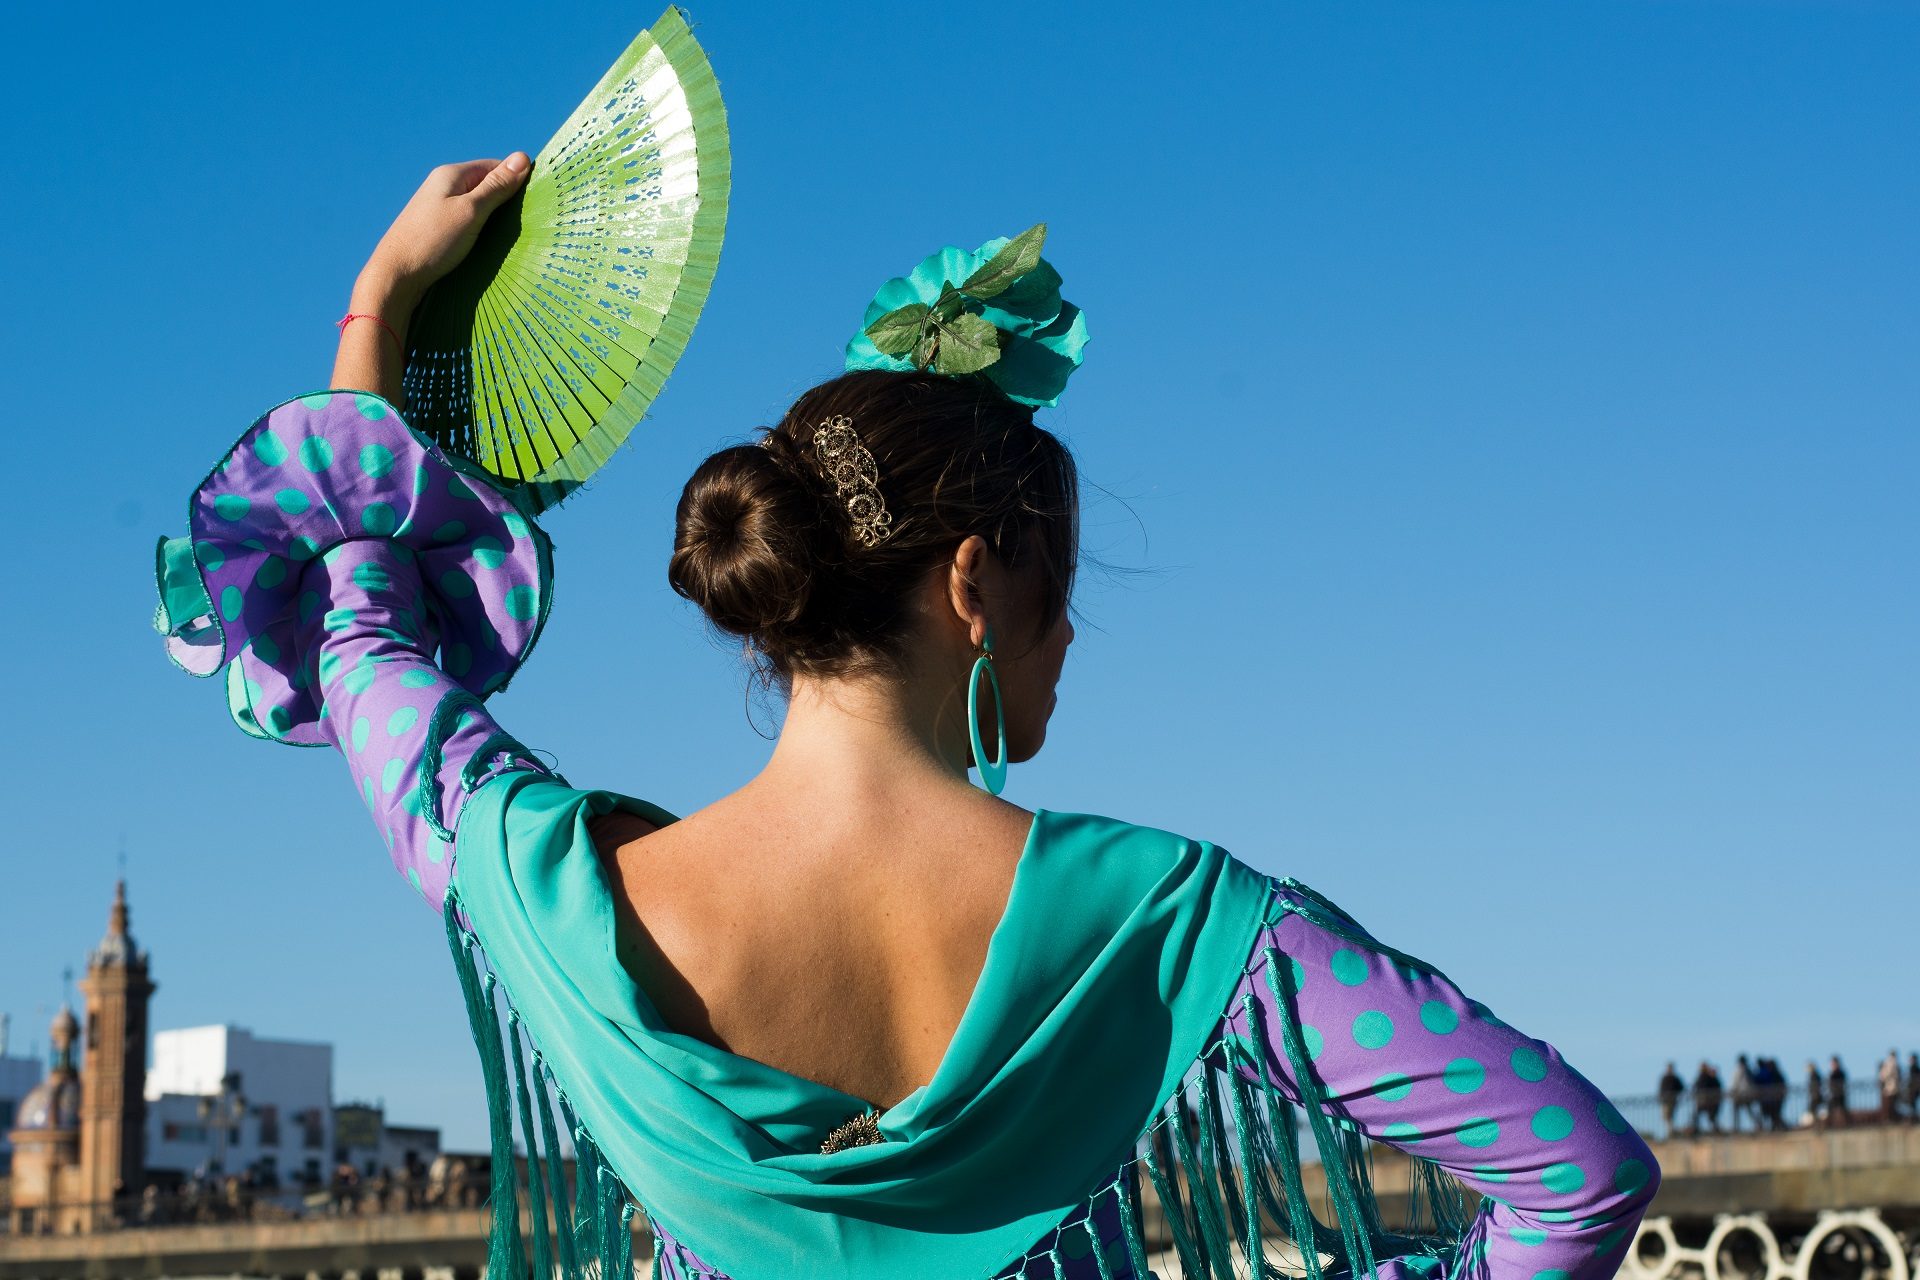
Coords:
pixel 860 1017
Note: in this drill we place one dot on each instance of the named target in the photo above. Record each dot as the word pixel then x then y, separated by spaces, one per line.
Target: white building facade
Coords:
pixel 221 1098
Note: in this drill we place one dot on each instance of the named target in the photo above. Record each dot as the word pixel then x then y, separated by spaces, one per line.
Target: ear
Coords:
pixel 965 587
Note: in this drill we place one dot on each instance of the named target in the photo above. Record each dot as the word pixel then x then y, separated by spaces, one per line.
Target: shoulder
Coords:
pixel 1109 856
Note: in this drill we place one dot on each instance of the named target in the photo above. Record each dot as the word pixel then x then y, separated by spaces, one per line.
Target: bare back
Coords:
pixel 839 947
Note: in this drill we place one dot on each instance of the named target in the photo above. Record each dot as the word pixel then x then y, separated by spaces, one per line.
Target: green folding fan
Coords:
pixel 536 356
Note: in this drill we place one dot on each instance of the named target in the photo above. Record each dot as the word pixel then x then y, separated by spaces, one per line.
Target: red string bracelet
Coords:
pixel 341 324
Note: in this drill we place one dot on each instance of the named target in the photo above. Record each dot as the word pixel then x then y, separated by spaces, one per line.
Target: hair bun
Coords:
pixel 744 543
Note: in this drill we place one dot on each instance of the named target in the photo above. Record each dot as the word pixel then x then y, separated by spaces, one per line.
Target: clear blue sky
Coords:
pixel 1513 407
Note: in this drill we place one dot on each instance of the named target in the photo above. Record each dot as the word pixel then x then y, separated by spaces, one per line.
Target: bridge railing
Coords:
pixel 234 1201
pixel 1782 1109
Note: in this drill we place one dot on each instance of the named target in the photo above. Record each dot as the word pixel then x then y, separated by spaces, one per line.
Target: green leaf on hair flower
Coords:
pixel 896 332
pixel 949 304
pixel 1017 257
pixel 967 345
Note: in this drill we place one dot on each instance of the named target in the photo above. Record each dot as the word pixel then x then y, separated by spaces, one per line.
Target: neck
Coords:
pixel 875 736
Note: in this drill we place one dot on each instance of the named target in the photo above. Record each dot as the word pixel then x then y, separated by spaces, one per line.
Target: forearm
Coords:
pixel 370 358
pixel 1412 1062
pixel 366 636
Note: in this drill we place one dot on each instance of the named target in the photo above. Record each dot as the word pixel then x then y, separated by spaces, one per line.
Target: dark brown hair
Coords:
pixel 765 546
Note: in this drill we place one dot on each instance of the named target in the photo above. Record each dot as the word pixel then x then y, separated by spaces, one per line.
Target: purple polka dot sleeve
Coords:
pixel 364 591
pixel 1413 1063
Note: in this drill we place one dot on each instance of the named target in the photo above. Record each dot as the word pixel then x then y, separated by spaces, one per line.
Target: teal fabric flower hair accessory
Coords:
pixel 996 312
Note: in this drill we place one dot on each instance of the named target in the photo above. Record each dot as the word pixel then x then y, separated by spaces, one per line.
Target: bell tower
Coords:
pixel 113 1103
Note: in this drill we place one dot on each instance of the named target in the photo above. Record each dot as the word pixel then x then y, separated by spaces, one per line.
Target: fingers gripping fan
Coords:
pixel 538 353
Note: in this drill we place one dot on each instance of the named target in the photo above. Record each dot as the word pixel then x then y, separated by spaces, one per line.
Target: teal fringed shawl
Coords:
pixel 1117 955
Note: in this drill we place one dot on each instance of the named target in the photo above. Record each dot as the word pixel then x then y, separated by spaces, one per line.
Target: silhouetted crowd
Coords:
pixel 1759 1094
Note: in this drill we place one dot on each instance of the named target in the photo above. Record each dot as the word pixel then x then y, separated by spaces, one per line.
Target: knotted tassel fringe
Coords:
pixel 580 1233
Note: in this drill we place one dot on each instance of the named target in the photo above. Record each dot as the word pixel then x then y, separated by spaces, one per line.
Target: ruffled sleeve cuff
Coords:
pixel 309 475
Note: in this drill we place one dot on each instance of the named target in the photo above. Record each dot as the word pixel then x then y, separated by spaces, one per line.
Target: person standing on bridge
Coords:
pixel 1913 1087
pixel 858 1018
pixel 1890 1087
pixel 1707 1096
pixel 1743 1094
pixel 1672 1089
pixel 1838 1112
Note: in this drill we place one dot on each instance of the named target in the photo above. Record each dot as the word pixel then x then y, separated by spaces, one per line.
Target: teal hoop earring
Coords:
pixel 993 773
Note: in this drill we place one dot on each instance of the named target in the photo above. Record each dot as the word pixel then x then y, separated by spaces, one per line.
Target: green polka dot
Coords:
pixel 1610 1120
pixel 498 680
pixel 1551 1124
pixel 1316 1043
pixel 372 408
pixel 1487 1173
pixel 271 573
pixel 516 524
pixel 1482 1132
pixel 1392 1087
pixel 368 782
pixel 1630 1176
pixel 390 776
pixel 456 585
pixel 1372 1030
pixel 376 460
pixel 523 602
pixel 279 720
pixel 318 400
pixel 316 454
pixel 309 601
pixel 265 649
pixel 209 556
pixel 1421 1263
pixel 489 552
pixel 231 506
pixel 413 877
pixel 422 479
pixel 401 721
pixel 379 520
pixel 292 501
pixel 410 802
pixel 1607 1242
pixel 416 679
pixel 460 488
pixel 268 448
pixel 1464 1075
pixel 1532 1237
pixel 338 619
pixel 1555 1215
pixel 451 531
pixel 302 549
pixel 360 679
pixel 371 576
pixel 458 659
pixel 1438 1018
pixel 1553 1273
pixel 1528 1064
pixel 1349 967
pixel 329 667
pixel 1563 1179
pixel 438 850
pixel 334 553
pixel 1485 1014
pixel 361 728
pixel 231 602
pixel 1400 1133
